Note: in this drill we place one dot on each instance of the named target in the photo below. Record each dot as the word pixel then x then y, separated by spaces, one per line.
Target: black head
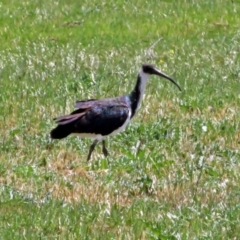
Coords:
pixel 150 69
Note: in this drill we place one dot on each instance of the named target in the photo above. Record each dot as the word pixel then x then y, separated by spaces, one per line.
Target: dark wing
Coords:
pixel 63 120
pixel 102 119
pixel 83 104
pixel 93 116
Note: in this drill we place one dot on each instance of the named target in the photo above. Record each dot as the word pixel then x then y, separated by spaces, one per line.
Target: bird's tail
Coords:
pixel 61 131
pixel 66 125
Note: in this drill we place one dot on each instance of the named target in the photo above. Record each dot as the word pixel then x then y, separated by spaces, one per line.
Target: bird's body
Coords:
pixel 97 119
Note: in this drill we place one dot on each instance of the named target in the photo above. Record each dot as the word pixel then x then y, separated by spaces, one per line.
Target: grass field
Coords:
pixel 174 173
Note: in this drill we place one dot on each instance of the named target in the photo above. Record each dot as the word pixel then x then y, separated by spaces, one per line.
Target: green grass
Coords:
pixel 174 173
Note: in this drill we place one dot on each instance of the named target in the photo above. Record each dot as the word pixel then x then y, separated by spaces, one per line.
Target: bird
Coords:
pixel 99 118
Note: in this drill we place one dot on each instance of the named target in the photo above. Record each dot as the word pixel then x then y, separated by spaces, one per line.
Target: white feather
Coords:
pixel 144 78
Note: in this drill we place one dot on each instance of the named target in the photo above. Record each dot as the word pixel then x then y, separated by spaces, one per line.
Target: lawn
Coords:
pixel 174 173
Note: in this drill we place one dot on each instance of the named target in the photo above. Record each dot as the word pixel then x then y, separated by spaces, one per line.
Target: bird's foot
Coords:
pixel 104 149
pixel 105 152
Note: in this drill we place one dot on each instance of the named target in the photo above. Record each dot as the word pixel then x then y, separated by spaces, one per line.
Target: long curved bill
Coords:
pixel 161 74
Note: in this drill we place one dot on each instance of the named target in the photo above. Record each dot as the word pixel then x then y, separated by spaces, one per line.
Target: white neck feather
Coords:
pixel 144 78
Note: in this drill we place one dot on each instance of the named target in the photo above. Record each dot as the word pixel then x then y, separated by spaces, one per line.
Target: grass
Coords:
pixel 174 173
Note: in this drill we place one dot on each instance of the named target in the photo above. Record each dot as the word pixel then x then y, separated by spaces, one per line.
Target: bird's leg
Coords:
pixel 91 149
pixel 104 149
